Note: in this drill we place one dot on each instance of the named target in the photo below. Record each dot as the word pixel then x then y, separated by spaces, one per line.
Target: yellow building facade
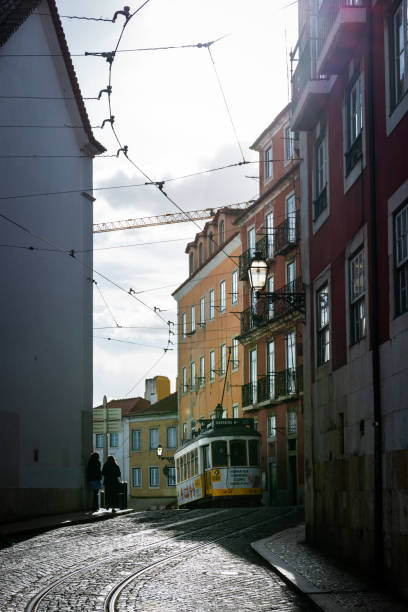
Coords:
pixel 152 426
pixel 209 304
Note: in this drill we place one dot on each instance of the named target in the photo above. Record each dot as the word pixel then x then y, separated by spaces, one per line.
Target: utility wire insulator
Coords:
pixel 124 149
pixel 108 90
pixel 125 12
pixel 111 121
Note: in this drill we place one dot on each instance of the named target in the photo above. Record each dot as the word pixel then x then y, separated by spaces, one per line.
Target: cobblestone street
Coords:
pixel 161 560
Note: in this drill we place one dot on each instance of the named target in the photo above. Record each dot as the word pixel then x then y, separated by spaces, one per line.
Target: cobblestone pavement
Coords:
pixel 83 563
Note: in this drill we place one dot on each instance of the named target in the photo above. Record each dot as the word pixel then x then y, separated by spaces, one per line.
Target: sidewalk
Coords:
pixel 332 589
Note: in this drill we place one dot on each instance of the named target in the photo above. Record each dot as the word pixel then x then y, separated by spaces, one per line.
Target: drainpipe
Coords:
pixel 374 319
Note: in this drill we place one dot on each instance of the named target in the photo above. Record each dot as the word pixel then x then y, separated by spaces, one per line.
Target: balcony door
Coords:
pixel 270 366
pixel 291 363
pixel 269 234
pixel 251 242
pixel 291 217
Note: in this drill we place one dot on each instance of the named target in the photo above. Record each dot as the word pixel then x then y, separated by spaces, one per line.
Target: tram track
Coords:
pixel 34 605
pixel 111 603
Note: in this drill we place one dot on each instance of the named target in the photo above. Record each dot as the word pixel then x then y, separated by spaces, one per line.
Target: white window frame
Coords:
pixel 114 440
pixel 211 305
pixel 289 145
pixel 202 370
pixel 269 234
pixel 290 205
pixel 272 426
pixel 223 360
pixel 253 374
pixel 290 346
pixel 171 436
pixel 323 325
pixel 212 365
pixel 184 325
pixel 184 386
pixel 292 422
pixel 136 470
pixel 235 411
pixel 151 441
pixel 223 300
pixel 357 289
pixel 192 319
pixel 202 312
pixel 171 476
pixel 270 283
pixel 398 53
pixel 137 447
pixel 153 469
pixel 221 232
pixel 251 241
pixel 234 287
pixel 270 367
pixel 192 376
pixel 235 354
pixel 268 164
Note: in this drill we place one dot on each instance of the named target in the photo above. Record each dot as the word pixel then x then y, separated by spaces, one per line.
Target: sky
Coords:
pixel 171 113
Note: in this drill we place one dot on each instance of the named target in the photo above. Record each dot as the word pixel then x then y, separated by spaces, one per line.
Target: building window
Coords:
pixel 200 254
pixel 184 325
pixel 223 360
pixel 171 437
pixel 136 440
pixel 320 175
pixel 272 426
pixel 153 476
pixel 291 275
pixel 202 312
pixel 357 298
pixel 323 330
pixel 251 242
pixel 292 422
pixel 171 477
pixel 193 324
pixel 184 383
pixel 401 260
pixel 234 287
pixel 399 53
pixel 268 164
pixel 235 361
pixel 270 368
pixel 221 233
pixel 270 288
pixel 269 234
pixel 289 144
pixel 136 477
pixel 212 305
pixel 212 365
pixel 290 341
pixel 153 438
pixel 114 440
pixel 192 376
pixel 354 124
pixel 223 304
pixel 291 217
pixel 202 371
pixel 235 411
pixel 99 440
pixel 184 431
pixel 191 263
pixel 211 243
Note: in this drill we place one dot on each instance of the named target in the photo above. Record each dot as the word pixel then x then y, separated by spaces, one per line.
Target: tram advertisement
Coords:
pixel 236 477
pixel 189 491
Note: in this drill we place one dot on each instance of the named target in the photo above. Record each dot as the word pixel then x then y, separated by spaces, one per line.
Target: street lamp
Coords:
pixel 160 455
pixel 258 272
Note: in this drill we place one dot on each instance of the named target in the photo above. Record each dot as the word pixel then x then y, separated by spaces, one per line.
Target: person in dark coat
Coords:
pixel 94 478
pixel 111 480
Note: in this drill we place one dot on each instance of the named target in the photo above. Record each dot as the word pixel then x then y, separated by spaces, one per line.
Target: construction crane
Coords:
pixel 191 215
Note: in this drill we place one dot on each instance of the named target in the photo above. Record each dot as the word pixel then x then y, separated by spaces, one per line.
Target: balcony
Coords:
pixel 275 387
pixel 340 26
pixel 263 247
pixel 284 301
pixel 310 89
pixel 287 234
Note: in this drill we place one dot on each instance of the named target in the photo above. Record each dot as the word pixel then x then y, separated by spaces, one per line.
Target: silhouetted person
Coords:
pixel 111 480
pixel 94 478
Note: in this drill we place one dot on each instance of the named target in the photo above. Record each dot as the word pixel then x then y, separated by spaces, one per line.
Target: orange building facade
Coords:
pixel 209 305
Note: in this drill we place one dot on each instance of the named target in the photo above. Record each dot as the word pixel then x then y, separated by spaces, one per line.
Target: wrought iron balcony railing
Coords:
pixel 287 234
pixel 263 246
pixel 276 386
pixel 287 299
pixel 354 153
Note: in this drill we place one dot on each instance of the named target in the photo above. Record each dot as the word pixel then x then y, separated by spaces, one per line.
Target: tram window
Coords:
pixel 195 462
pixel 238 454
pixel 219 453
pixel 178 469
pixel 189 465
pixel 253 447
pixel 206 457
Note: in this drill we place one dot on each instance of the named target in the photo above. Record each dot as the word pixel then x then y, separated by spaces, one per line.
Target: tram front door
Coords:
pixel 206 465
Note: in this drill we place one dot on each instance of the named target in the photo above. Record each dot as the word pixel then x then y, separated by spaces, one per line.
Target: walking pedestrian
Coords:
pixel 111 480
pixel 94 478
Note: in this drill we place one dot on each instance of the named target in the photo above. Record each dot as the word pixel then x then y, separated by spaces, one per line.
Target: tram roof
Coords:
pixel 216 428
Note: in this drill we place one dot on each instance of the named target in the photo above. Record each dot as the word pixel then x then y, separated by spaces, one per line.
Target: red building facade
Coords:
pixel 271 324
pixel 350 105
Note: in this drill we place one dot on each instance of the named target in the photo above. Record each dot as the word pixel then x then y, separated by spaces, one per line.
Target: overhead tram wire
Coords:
pixel 71 253
pixel 146 373
pixel 106 303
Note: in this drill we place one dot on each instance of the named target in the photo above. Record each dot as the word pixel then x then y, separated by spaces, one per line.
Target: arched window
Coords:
pixel 200 254
pixel 211 243
pixel 221 233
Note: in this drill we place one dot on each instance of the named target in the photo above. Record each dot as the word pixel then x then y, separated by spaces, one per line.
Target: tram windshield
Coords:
pixel 238 454
pixel 219 453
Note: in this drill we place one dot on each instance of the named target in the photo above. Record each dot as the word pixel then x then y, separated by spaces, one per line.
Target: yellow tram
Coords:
pixel 220 464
